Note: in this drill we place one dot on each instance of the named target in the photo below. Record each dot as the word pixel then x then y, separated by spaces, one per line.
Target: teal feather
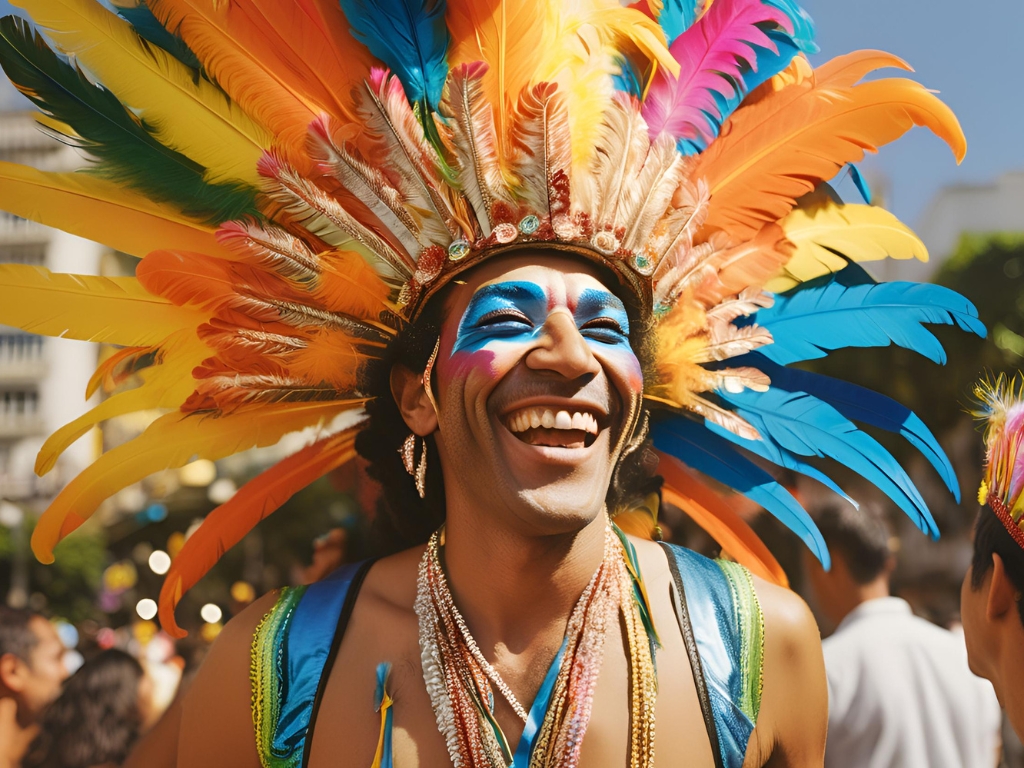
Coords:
pixel 848 310
pixel 411 38
pixel 806 426
pixel 122 144
pixel 150 29
pixel 701 449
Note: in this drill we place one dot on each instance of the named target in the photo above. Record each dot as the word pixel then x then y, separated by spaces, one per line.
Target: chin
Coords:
pixel 560 508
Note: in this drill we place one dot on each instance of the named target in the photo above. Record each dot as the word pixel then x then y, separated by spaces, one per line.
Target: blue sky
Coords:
pixel 967 51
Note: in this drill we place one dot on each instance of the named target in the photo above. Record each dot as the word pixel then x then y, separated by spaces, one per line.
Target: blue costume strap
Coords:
pixel 538 711
pixel 293 650
pixel 721 619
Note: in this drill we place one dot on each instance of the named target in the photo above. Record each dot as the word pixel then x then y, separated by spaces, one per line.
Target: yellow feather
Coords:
pixel 165 385
pixel 172 440
pixel 116 310
pixel 191 115
pixel 86 206
pixel 859 232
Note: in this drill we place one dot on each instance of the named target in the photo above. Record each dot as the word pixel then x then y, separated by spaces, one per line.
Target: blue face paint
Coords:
pixel 516 311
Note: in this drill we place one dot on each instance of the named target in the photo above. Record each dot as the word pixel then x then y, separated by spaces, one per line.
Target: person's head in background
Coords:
pixel 992 609
pixel 98 717
pixel 31 662
pixel 992 595
pixel 863 559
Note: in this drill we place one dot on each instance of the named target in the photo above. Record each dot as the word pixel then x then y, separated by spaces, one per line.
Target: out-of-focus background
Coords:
pixel 106 577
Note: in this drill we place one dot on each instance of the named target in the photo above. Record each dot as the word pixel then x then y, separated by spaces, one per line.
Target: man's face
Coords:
pixel 538 384
pixel 39 679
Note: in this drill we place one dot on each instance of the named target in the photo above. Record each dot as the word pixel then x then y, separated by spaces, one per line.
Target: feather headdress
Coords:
pixel 1002 488
pixel 299 179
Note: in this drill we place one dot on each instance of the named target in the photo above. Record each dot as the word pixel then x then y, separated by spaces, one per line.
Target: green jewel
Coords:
pixel 458 250
pixel 642 263
pixel 529 224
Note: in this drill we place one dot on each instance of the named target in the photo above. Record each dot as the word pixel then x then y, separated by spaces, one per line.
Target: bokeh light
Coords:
pixel 159 562
pixel 146 608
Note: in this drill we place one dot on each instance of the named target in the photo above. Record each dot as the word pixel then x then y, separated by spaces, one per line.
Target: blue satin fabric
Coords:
pixel 719 642
pixel 303 655
pixel 716 627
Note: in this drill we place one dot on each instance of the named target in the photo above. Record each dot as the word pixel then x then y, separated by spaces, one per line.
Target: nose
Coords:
pixel 563 350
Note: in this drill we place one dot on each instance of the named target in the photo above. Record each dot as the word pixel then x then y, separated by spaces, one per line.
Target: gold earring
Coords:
pixel 417 470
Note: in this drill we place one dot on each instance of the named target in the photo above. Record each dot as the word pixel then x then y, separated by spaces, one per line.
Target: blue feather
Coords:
pixel 410 37
pixel 677 16
pixel 862 405
pixel 773 452
pixel 150 29
pixel 803 25
pixel 627 79
pixel 807 426
pixel 769 64
pixel 706 452
pixel 859 182
pixel 829 313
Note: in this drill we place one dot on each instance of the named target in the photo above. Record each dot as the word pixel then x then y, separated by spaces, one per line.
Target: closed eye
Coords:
pixel 504 315
pixel 603 324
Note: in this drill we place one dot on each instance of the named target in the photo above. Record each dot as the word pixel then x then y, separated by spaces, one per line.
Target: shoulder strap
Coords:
pixel 722 626
pixel 293 650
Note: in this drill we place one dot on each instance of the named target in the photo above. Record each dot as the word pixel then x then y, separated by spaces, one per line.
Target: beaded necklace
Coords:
pixel 461 682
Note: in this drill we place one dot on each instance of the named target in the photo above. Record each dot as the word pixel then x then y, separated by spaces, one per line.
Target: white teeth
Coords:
pixel 532 418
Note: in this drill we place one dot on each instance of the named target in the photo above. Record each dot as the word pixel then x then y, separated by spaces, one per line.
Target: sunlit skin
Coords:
pixel 994 635
pixel 525 516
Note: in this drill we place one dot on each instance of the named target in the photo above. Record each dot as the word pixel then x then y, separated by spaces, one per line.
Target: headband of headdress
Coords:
pixel 1002 487
pixel 299 178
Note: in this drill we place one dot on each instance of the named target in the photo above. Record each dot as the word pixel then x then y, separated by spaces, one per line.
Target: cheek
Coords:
pixel 623 364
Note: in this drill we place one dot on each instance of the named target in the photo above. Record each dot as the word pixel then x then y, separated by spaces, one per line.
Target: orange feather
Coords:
pixel 231 521
pixel 781 147
pixel 283 62
pixel 712 512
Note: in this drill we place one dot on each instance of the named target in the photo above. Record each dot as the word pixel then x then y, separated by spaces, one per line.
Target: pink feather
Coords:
pixel 712 56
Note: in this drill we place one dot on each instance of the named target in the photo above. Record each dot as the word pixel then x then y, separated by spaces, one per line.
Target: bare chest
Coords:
pixel 347 728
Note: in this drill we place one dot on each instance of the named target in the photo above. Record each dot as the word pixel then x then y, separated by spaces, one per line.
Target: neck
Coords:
pixel 15 736
pixel 863 593
pixel 517 590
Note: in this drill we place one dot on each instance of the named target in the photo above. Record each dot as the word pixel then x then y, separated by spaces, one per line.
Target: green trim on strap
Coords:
pixel 748 617
pixel 266 676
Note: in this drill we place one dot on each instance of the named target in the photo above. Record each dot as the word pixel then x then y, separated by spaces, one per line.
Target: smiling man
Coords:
pixel 543 265
pixel 534 400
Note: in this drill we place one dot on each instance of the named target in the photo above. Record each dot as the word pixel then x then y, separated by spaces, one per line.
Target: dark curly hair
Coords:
pixel 96 720
pixel 403 519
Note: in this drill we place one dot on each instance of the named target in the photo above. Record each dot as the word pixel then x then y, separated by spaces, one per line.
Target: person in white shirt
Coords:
pixel 900 692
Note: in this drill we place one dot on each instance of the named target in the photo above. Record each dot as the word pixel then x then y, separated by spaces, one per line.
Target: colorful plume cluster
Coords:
pixel 299 178
pixel 1002 489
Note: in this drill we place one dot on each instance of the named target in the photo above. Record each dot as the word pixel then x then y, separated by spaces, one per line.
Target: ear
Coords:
pixel 1002 594
pixel 413 401
pixel 12 673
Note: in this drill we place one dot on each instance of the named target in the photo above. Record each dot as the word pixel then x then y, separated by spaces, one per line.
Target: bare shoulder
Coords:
pixel 216 718
pixel 792 724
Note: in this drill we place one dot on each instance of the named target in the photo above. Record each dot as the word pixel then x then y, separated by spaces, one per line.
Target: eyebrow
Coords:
pixel 594 300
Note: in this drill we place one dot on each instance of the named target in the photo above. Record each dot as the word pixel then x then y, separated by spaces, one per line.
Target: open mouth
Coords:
pixel 553 428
